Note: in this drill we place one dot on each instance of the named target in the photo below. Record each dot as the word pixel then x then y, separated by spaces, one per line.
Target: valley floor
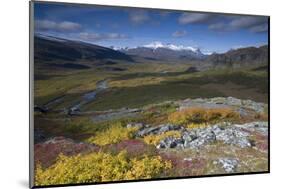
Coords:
pixel 149 122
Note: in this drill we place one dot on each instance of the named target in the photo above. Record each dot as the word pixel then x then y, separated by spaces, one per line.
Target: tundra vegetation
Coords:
pixel 148 119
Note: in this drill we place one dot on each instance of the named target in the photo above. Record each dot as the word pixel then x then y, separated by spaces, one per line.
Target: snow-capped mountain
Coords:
pixel 158 50
pixel 157 44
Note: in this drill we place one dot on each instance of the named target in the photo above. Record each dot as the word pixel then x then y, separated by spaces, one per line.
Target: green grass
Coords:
pixel 71 83
pixel 133 97
pixel 181 87
pixel 143 84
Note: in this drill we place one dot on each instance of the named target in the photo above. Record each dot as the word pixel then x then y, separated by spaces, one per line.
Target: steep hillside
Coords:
pixel 250 56
pixel 50 49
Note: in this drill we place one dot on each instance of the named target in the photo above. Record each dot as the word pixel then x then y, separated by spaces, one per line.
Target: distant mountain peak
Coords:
pixel 158 44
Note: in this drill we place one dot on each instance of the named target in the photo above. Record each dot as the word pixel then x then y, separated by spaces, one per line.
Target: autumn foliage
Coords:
pixel 114 134
pixel 202 115
pixel 100 167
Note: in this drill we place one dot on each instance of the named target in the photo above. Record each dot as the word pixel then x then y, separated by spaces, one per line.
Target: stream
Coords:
pixel 90 96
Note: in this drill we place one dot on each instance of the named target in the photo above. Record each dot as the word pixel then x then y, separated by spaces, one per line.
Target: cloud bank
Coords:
pixel 222 23
pixel 65 26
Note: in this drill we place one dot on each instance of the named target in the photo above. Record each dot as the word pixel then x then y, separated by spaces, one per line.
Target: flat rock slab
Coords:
pixel 231 134
pixel 223 102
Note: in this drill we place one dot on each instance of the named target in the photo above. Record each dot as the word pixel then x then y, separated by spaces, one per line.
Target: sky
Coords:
pixel 132 27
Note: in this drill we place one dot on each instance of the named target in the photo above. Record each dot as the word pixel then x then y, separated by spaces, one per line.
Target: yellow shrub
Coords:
pixel 155 139
pixel 196 125
pixel 99 167
pixel 114 134
pixel 202 115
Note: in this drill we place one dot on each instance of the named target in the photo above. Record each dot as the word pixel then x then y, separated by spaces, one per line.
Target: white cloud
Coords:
pixel 255 24
pixel 218 26
pixel 246 22
pixel 192 18
pixel 65 26
pixel 138 17
pixel 98 37
pixel 180 33
pixel 252 23
pixel 259 28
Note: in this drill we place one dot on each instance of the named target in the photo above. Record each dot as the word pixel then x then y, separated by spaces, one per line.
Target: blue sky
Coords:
pixel 131 27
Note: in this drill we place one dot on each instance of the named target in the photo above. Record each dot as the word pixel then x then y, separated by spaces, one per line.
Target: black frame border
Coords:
pixel 31 98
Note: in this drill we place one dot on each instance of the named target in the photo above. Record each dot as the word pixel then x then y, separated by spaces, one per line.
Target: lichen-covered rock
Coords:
pixel 135 125
pixel 224 102
pixel 157 130
pixel 171 142
pixel 230 134
pixel 228 164
pixel 202 137
pixel 261 127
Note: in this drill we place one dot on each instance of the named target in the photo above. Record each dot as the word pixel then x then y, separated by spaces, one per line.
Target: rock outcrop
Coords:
pixel 228 164
pixel 231 134
pixel 241 106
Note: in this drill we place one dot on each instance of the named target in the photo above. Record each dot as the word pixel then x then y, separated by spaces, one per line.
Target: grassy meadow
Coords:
pixel 152 88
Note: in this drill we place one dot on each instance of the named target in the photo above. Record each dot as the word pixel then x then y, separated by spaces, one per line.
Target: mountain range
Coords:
pixel 60 52
pixel 160 51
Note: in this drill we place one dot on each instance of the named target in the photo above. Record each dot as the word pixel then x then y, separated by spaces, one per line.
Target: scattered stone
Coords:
pixel 195 138
pixel 189 136
pixel 261 127
pixel 233 101
pixel 171 142
pixel 232 136
pixel 228 164
pixel 147 131
pixel 242 112
pixel 135 125
pixel 222 102
pixel 203 137
pixel 256 106
pixel 74 110
pixel 157 130
pixel 187 159
pixel 167 127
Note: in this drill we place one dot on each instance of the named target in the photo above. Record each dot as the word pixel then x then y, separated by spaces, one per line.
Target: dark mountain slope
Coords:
pixel 250 56
pixel 56 49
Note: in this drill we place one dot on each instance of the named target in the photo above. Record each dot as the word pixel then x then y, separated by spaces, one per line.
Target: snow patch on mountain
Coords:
pixel 158 44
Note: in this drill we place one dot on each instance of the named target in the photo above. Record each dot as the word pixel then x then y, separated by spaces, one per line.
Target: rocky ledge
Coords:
pixel 231 134
pixel 242 106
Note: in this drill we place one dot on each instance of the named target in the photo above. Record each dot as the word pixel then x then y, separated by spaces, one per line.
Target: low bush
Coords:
pixel 155 139
pixel 203 115
pixel 100 167
pixel 196 125
pixel 113 134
